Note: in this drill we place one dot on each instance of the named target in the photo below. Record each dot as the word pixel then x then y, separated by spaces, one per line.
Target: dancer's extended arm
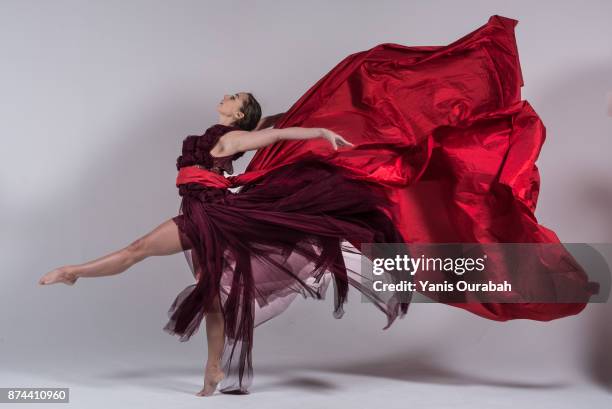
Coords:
pixel 242 141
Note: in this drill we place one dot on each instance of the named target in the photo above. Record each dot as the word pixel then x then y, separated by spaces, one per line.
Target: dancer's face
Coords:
pixel 231 104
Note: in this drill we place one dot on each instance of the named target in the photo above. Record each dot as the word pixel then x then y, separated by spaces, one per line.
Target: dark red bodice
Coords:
pixel 196 151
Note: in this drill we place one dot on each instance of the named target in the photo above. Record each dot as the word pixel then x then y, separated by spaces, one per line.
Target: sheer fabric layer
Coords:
pixel 259 248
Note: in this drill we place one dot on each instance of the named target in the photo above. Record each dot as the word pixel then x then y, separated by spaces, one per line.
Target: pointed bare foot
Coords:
pixel 212 376
pixel 65 274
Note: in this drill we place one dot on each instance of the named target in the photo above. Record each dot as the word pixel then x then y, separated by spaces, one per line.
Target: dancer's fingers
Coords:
pixel 345 142
pixel 333 143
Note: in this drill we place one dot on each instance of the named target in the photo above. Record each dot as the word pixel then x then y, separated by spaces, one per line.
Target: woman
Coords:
pixel 266 232
pixel 442 149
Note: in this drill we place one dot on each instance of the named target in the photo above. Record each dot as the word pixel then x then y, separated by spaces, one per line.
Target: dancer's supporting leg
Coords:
pixel 161 241
pixel 215 327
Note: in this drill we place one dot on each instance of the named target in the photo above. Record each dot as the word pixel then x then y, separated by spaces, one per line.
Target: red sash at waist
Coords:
pixel 194 174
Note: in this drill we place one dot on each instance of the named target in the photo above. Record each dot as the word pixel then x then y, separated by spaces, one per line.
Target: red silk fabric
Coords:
pixel 444 131
pixel 392 100
pixel 194 174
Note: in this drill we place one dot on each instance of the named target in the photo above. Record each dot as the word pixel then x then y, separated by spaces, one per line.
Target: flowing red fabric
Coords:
pixel 444 130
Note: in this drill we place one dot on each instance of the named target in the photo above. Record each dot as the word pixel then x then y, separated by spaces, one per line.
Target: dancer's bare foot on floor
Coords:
pixel 64 275
pixel 212 376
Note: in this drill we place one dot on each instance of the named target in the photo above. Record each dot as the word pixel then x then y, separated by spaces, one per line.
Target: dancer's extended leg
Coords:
pixel 161 241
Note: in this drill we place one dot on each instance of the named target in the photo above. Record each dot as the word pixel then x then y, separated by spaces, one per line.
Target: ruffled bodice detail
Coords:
pixel 196 151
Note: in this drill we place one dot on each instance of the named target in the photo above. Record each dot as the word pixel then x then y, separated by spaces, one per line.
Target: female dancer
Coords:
pixel 221 144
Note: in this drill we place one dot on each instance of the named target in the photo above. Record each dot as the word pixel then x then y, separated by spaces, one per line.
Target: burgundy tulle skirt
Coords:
pixel 260 247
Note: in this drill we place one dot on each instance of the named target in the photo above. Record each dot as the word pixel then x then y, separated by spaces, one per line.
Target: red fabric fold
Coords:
pixel 194 174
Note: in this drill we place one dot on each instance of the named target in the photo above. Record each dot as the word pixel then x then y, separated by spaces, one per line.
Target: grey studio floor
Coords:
pixel 435 357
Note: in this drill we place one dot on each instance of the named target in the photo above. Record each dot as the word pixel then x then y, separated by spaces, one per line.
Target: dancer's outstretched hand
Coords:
pixel 335 139
pixel 59 275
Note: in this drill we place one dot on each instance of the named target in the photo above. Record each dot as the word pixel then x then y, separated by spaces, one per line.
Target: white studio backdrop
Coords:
pixel 96 98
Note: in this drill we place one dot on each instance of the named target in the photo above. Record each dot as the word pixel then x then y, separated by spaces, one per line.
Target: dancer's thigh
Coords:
pixel 163 240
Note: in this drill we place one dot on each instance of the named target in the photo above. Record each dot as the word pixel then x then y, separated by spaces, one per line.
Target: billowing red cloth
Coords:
pixel 444 130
